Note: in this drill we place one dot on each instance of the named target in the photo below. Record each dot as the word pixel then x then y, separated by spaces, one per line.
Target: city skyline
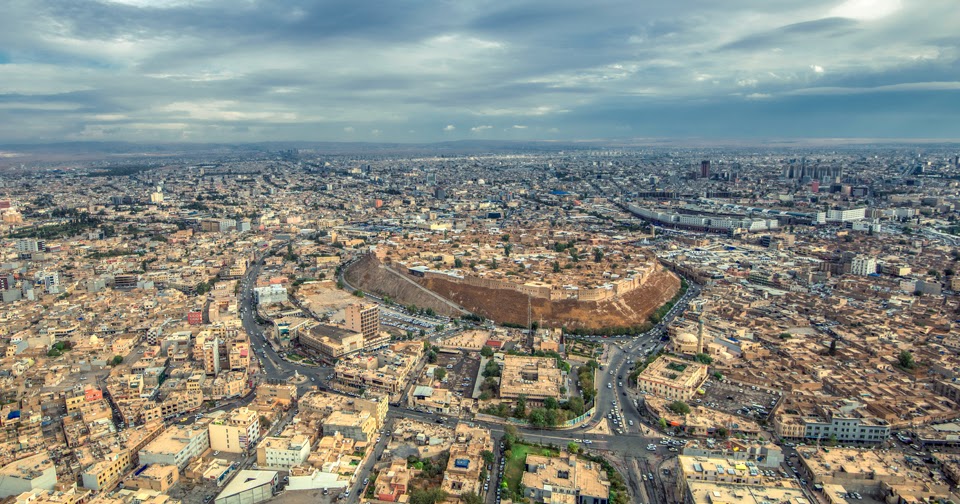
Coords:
pixel 211 71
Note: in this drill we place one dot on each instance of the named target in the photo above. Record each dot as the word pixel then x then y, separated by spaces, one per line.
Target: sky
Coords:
pixel 439 70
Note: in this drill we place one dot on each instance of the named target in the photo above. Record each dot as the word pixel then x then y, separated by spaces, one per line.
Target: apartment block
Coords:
pixel 236 431
pixel 279 452
pixel 176 446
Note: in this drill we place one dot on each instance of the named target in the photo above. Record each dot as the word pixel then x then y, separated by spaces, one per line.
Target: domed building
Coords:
pixel 686 343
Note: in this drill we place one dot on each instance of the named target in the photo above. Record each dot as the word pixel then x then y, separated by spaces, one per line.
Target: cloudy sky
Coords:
pixel 433 70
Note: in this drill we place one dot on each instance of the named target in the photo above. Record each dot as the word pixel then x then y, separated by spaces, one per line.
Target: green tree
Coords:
pixel 471 498
pixel 486 351
pixel 833 347
pixel 663 423
pixel 505 237
pixel 457 263
pixel 597 255
pixel 487 456
pixel 906 360
pixel 556 267
pixel 507 249
pixel 722 433
pixel 264 422
pixel 573 447
pixel 510 436
pixel 550 403
pixel 359 293
pixel 203 288
pixel 427 496
pixel 575 404
pixel 117 360
pixel 704 358
pixel 679 407
pixel 538 417
pixel 439 374
pixel 520 411
pixel 432 357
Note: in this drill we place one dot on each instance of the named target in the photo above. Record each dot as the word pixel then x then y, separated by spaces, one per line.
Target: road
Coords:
pixel 274 366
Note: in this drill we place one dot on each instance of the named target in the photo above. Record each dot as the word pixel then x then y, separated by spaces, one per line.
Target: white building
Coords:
pixel 283 452
pixel 177 445
pixel 27 474
pixel 862 265
pixel 846 215
pixel 275 293
pixel 249 487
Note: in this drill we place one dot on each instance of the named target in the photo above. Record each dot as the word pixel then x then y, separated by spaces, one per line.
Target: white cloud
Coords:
pixel 348 129
pixel 449 127
pixel 375 132
pixel 866 10
pixel 817 69
pixel 478 129
pixel 758 96
pixel 519 126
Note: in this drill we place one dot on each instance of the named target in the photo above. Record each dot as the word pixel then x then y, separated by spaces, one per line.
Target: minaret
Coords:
pixel 700 331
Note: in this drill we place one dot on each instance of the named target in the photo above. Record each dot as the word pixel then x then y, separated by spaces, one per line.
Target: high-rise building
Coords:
pixel 364 319
pixel 863 266
pixel 705 169
pixel 211 356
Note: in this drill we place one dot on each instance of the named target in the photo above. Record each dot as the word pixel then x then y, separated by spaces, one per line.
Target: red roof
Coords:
pixel 494 343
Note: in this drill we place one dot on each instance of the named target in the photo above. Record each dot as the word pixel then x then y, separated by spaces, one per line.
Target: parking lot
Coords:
pixel 730 397
pixel 462 369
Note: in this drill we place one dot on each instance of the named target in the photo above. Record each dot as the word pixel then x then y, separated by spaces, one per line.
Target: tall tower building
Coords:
pixel 364 319
pixel 705 169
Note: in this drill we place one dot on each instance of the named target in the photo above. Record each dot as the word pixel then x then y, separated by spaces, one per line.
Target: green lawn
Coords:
pixel 513 471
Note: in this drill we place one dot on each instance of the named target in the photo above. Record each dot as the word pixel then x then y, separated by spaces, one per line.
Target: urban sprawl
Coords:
pixel 570 327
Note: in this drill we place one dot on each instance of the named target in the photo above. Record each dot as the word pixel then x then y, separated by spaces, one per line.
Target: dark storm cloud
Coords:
pixel 249 70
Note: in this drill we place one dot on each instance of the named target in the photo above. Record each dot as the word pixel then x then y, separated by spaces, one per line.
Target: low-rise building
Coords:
pixel 466 460
pixel 551 479
pixel 249 487
pixel 36 472
pixel 672 378
pixel 536 378
pixel 393 483
pixel 177 445
pixel 278 452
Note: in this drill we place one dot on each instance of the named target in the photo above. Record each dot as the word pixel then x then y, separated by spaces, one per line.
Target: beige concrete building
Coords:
pixel 564 479
pixel 235 432
pixel 177 446
pixel 466 460
pixel 536 378
pixel 157 477
pixel 360 426
pixel 672 378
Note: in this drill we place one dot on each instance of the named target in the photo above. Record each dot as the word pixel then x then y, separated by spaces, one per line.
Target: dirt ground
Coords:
pixel 325 298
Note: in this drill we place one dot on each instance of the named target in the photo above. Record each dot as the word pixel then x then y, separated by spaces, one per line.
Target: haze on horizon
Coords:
pixel 252 70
